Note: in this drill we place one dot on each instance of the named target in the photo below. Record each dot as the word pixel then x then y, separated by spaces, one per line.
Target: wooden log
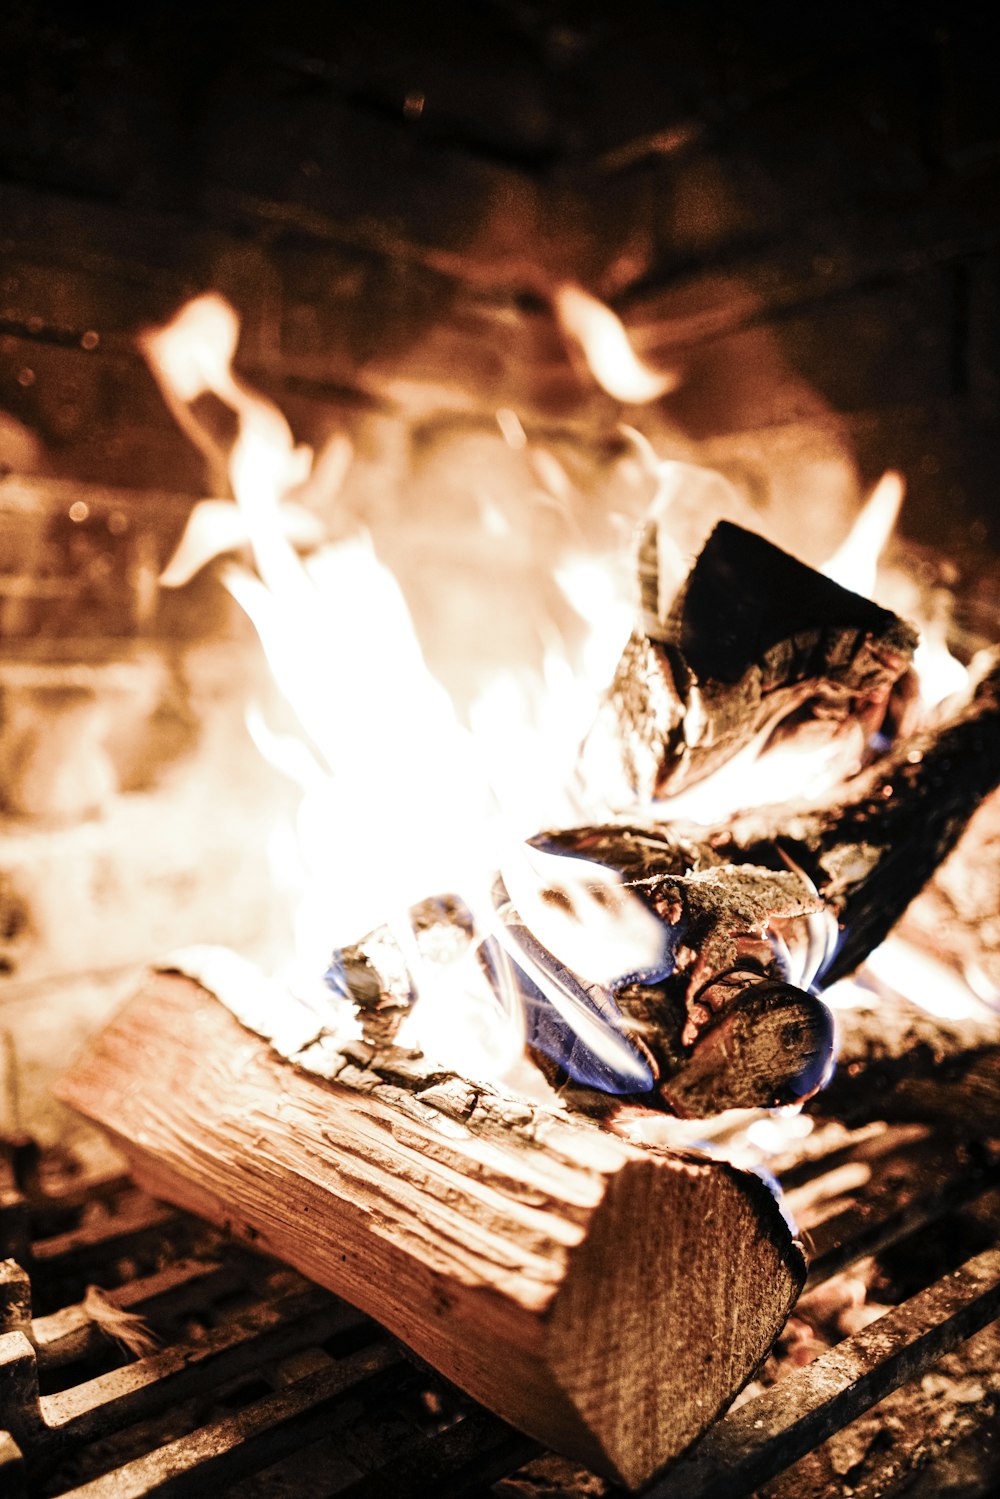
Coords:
pixel 871 852
pixel 608 1300
pixel 721 1030
pixel 753 638
pixel 864 857
pixel 899 1063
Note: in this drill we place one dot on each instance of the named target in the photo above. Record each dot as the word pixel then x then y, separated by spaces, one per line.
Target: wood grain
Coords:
pixel 608 1300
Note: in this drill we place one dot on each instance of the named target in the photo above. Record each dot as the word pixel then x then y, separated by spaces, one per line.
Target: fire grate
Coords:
pixel 261 1385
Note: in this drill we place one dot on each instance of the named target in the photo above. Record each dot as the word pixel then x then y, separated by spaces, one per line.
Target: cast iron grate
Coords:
pixel 261 1385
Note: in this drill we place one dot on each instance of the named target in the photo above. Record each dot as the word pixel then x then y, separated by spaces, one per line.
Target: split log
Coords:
pixel 899 1063
pixel 865 858
pixel 608 1300
pixel 754 638
pixel 872 852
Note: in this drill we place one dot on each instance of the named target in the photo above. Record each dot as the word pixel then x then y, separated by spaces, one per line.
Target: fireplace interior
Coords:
pixel 796 219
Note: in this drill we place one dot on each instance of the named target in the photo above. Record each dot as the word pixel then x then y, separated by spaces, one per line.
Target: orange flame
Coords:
pixel 399 799
pixel 854 564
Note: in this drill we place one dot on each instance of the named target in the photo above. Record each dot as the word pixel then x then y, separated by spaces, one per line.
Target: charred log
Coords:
pixel 753 638
pixel 484 1231
pixel 866 857
pixel 872 852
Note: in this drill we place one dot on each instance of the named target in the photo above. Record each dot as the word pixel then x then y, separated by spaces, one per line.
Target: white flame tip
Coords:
pixel 610 356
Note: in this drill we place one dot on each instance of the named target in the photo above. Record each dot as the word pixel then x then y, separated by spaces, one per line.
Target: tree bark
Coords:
pixel 608 1300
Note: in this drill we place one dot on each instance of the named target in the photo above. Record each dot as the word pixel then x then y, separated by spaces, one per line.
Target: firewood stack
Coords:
pixel 609 1299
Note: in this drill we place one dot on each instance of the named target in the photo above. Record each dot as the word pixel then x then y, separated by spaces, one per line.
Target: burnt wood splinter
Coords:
pixel 608 1300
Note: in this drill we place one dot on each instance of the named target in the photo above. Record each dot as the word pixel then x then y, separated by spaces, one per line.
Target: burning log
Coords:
pixel 753 638
pixel 484 1231
pixel 752 913
pixel 872 852
pixel 716 1023
pixel 721 1024
pixel 715 1026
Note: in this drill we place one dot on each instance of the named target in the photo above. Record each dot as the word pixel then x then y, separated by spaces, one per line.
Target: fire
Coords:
pixel 854 564
pixel 612 361
pixel 399 798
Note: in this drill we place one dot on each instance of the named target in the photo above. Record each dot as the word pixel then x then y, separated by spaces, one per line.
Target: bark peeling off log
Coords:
pixel 753 637
pixel 608 1300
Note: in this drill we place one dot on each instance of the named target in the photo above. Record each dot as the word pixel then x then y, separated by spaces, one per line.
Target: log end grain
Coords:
pixel 608 1300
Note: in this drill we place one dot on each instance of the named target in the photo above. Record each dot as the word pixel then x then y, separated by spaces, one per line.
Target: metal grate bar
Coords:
pixel 50 1424
pixel 921 1183
pixel 260 1434
pixel 766 1435
pixel 476 1451
pixel 73 1333
pixel 95 1243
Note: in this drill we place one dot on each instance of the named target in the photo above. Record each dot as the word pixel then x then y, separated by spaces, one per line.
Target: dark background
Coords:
pixel 820 180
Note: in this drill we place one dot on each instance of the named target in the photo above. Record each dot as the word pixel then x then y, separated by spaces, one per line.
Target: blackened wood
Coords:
pixel 483 1230
pixel 770 1047
pixel 871 852
pixel 724 1027
pixel 866 856
pixel 753 637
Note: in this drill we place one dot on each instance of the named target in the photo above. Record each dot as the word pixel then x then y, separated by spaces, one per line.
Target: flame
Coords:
pixel 854 564
pixel 613 362
pixel 926 981
pixel 803 769
pixel 398 798
pixel 401 799
pixel 939 673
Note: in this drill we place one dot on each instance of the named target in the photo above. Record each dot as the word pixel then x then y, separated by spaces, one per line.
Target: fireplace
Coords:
pixel 417 219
